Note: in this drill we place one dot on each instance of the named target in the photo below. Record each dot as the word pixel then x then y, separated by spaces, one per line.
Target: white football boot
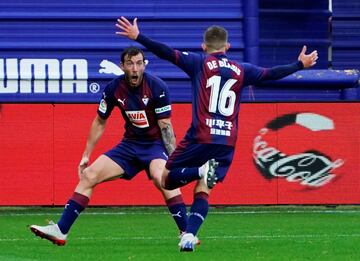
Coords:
pixel 187 243
pixel 50 232
pixel 210 177
pixel 197 240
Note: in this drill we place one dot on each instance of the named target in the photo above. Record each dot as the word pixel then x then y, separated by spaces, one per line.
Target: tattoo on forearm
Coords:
pixel 168 137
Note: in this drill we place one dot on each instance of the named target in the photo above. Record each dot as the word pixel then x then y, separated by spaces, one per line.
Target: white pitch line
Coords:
pixel 241 237
pixel 211 213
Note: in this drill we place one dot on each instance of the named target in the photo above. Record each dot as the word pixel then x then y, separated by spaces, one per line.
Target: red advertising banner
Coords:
pixel 301 153
pixel 287 153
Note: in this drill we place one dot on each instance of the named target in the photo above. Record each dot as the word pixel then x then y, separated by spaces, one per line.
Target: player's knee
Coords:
pixel 89 177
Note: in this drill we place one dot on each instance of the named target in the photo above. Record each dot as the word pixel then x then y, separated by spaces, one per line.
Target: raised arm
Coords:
pixel 255 74
pixel 308 60
pixel 128 30
pixel 131 31
pixel 304 61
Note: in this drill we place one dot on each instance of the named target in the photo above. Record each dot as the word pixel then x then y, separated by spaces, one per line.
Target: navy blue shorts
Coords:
pixel 188 154
pixel 135 156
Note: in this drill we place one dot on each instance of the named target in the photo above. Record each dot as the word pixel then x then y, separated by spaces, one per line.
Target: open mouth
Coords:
pixel 134 78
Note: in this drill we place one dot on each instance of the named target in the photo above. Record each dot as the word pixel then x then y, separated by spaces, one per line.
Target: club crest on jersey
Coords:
pixel 145 100
pixel 138 118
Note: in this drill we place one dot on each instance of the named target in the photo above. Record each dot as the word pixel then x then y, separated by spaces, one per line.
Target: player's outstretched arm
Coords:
pixel 308 60
pixel 131 31
pixel 128 30
pixel 277 72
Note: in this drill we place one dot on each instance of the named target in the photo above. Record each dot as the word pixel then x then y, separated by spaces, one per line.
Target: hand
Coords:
pixel 83 164
pixel 129 30
pixel 308 60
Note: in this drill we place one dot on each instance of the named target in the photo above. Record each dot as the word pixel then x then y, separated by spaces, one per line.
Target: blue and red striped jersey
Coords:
pixel 217 83
pixel 141 107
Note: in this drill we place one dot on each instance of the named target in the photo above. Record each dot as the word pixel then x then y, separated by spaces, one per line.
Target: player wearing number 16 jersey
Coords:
pixel 206 152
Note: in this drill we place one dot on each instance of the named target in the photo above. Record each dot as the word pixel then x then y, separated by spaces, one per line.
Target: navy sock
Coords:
pixel 76 204
pixel 198 212
pixel 180 177
pixel 177 209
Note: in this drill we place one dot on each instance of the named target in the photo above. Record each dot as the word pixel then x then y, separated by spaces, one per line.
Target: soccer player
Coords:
pixel 144 102
pixel 206 151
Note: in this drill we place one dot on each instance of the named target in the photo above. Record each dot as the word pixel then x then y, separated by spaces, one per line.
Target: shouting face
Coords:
pixel 133 68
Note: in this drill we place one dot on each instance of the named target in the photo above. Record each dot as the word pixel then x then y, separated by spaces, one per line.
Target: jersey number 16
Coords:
pixel 225 101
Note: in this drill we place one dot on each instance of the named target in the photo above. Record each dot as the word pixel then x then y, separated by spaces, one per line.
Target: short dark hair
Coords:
pixel 215 37
pixel 130 52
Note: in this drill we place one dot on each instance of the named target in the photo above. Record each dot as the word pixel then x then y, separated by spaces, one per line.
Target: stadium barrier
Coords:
pixel 287 153
pixel 314 85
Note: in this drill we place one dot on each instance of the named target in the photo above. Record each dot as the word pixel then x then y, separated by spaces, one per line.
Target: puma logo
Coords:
pixel 122 101
pixel 108 67
pixel 177 214
pixel 162 95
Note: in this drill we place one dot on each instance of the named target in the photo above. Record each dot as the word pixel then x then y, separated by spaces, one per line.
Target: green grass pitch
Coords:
pixel 149 233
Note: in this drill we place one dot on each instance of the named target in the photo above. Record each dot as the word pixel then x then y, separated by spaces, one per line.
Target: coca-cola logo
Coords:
pixel 310 168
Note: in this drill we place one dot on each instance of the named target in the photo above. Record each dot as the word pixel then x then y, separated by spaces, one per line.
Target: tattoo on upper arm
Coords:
pixel 168 137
